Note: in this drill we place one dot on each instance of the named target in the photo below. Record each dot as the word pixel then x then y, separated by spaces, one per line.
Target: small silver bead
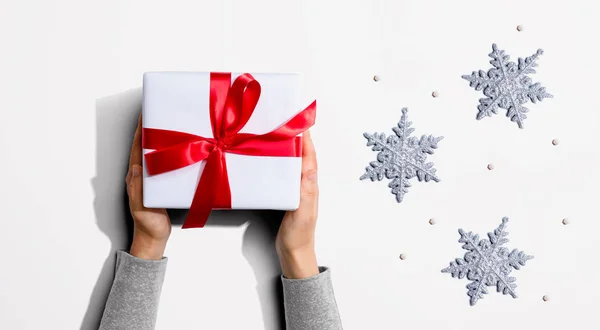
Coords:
pixel 435 94
pixel 565 221
pixel 402 256
pixel 376 78
pixel 520 28
pixel 432 221
pixel 490 167
pixel 555 142
pixel 545 298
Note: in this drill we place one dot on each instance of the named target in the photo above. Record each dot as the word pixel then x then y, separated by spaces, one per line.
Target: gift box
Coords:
pixel 222 141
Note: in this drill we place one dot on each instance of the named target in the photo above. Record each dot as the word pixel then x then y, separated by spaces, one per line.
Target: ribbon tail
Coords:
pixel 223 189
pixel 204 197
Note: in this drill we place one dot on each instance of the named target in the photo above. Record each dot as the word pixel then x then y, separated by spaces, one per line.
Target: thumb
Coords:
pixel 134 187
pixel 309 191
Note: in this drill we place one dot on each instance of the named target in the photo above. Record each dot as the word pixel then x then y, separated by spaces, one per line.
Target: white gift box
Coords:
pixel 179 101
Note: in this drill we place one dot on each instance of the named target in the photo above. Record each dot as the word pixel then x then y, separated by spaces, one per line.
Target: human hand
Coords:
pixel 295 239
pixel 152 227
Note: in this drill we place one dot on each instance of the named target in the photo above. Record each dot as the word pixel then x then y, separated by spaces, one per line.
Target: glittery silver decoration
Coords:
pixel 401 157
pixel 507 86
pixel 487 263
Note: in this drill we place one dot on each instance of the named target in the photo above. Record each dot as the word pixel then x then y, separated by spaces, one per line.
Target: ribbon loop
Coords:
pixel 241 101
pixel 230 107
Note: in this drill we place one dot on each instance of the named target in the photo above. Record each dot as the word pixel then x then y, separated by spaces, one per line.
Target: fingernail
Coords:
pixel 136 170
pixel 312 176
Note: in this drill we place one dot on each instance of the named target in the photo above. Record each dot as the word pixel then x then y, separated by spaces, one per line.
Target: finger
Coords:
pixel 309 194
pixel 135 157
pixel 309 185
pixel 127 180
pixel 309 190
pixel 134 188
pixel 309 156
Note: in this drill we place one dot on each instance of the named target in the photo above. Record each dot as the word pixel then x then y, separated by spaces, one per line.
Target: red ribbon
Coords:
pixel 231 105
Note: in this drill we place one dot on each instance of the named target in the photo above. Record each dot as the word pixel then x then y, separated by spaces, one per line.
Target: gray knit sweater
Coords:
pixel 133 301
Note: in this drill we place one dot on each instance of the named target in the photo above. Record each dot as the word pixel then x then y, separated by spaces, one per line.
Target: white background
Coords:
pixel 70 77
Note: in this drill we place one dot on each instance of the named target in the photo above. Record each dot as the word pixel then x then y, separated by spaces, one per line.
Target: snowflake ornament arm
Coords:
pixel 507 86
pixel 401 157
pixel 487 263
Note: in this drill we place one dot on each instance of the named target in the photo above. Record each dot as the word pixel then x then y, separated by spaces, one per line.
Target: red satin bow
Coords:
pixel 231 105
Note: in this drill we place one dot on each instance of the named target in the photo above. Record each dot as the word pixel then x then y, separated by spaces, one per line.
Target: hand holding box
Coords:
pixel 251 146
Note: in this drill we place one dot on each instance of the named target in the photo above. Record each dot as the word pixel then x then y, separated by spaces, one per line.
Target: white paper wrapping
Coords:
pixel 179 101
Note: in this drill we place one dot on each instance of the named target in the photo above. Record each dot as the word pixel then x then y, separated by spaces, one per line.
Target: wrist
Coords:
pixel 145 247
pixel 299 264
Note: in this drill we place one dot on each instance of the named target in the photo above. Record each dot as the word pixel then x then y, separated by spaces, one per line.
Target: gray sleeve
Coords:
pixel 310 303
pixel 133 300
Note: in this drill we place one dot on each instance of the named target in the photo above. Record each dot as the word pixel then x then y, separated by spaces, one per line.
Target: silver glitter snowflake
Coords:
pixel 487 263
pixel 507 86
pixel 401 157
